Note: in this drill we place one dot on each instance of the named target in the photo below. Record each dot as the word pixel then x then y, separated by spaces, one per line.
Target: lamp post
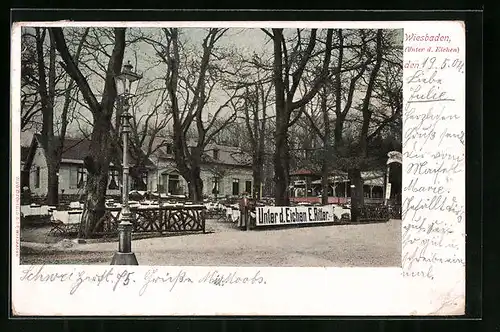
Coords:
pixel 393 157
pixel 126 83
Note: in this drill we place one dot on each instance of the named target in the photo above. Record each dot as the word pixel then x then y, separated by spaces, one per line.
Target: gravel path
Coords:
pixel 363 245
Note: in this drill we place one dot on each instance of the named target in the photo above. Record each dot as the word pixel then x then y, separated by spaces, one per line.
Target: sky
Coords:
pixel 242 40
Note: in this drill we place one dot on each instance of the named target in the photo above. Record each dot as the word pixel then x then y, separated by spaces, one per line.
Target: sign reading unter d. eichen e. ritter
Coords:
pixel 282 215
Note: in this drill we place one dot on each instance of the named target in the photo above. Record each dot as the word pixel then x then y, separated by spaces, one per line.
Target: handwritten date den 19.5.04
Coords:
pixel 430 63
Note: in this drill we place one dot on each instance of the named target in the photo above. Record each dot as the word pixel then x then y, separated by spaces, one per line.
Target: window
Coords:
pixel 174 184
pixel 113 182
pixel 216 186
pixel 140 183
pixel 169 148
pixel 248 187
pixel 216 154
pixel 73 177
pixel 37 177
pixel 81 177
pixel 236 187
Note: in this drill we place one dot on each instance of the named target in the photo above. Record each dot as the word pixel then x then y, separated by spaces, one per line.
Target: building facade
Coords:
pixel 306 186
pixel 72 173
pixel 225 171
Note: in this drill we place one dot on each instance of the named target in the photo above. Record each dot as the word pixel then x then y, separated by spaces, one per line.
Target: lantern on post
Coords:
pixel 392 157
pixel 126 85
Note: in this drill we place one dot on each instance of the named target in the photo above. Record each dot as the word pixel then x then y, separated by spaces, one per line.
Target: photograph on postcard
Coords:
pixel 239 160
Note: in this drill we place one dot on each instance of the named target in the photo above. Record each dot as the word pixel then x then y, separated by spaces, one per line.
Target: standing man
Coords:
pixel 244 217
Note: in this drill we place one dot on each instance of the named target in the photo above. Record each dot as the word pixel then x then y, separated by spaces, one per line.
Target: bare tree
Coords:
pixel 320 123
pixel 337 95
pixel 148 126
pixel 355 148
pixel 288 69
pixel 43 85
pixel 97 162
pixel 358 60
pixel 30 96
pixel 256 117
pixel 190 81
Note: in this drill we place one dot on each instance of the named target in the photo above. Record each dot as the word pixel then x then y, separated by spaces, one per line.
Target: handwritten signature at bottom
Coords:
pixel 122 278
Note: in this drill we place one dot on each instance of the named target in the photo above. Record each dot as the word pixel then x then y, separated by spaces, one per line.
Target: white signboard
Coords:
pixel 283 215
pixel 388 191
pixel 346 270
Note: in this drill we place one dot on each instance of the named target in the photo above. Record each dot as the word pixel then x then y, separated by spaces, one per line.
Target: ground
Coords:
pixel 363 245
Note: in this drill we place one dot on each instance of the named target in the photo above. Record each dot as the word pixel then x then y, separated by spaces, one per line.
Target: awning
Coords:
pixel 370 178
pixel 373 178
pixel 339 178
pixel 374 182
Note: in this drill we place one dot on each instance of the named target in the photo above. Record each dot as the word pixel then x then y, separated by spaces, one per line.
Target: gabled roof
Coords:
pixel 227 155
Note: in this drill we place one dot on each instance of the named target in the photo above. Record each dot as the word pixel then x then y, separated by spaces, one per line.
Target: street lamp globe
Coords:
pixel 127 81
pixel 125 116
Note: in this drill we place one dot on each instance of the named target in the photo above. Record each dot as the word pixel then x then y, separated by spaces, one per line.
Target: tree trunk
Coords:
pixel 280 153
pixel 281 177
pixel 324 181
pixel 97 164
pixel 136 175
pixel 97 161
pixel 195 185
pixel 357 198
pixel 337 133
pixel 53 184
pixel 94 204
pixel 257 178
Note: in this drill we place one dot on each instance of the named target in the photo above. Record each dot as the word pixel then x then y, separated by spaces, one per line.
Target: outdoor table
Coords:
pixel 148 207
pixel 34 210
pixel 173 205
pixel 75 205
pixel 235 215
pixel 35 213
pixel 229 212
pixel 64 222
pixel 338 211
pixel 216 210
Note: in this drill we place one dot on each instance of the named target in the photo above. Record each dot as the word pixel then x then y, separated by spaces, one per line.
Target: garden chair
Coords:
pixel 57 222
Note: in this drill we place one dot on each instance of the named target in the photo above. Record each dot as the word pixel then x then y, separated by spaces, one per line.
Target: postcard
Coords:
pixel 238 168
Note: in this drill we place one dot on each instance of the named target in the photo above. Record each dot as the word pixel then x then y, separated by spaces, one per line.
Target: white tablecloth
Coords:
pixel 35 210
pixel 338 211
pixel 75 205
pixel 68 218
pixel 233 214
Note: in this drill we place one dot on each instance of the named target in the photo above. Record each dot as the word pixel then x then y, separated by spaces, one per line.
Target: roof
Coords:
pixel 373 178
pixel 303 172
pixel 76 149
pixel 227 155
